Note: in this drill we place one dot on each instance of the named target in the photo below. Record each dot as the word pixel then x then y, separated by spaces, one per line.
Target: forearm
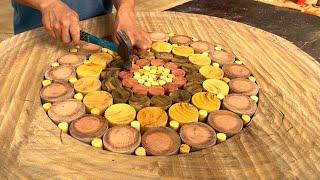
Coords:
pixel 36 4
pixel 128 5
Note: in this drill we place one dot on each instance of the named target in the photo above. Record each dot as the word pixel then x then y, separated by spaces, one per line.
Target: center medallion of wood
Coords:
pixel 152 117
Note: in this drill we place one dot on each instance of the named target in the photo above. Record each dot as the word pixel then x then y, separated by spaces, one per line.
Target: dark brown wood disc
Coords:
pixel 139 101
pixel 110 72
pixel 181 40
pixel 161 141
pixel 240 104
pixel 198 135
pixel 111 84
pixel 88 127
pixel 236 71
pixel 180 60
pixel 195 78
pixel 66 110
pixel 63 73
pixel 222 57
pixel 180 96
pixel 226 122
pixel 201 46
pixel 243 86
pixel 58 90
pixel 193 87
pixel 121 95
pixel 188 68
pixel 122 139
pixel 162 101
pixel 164 56
pixel 72 59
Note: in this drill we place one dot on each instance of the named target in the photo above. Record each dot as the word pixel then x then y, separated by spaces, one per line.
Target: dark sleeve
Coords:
pixel 107 4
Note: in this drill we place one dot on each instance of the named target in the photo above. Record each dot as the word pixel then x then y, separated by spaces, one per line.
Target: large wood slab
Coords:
pixel 282 142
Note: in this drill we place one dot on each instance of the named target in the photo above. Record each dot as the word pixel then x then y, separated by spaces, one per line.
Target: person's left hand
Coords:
pixel 126 20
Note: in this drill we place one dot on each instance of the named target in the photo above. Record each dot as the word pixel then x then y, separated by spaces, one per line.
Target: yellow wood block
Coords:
pixel 89 70
pixel 101 59
pixel 206 101
pixel 160 46
pixel 216 86
pixel 183 51
pixel 211 72
pixel 184 149
pixel 87 84
pixel 200 59
pixel 100 100
pixel 120 114
pixel 183 113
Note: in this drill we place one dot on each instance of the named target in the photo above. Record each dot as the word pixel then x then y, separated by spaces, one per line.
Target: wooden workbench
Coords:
pixel 282 142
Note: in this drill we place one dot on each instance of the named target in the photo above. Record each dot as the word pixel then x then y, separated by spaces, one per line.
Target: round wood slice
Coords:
pixel 110 72
pixel 206 101
pixel 160 47
pixel 88 127
pixel 143 62
pixel 240 104
pixel 89 70
pixel 243 86
pixel 101 59
pixel 211 72
pixel 236 71
pixel 150 117
pixel 98 99
pixel 58 90
pixel 182 51
pixel 121 95
pixel 159 36
pixel 72 59
pixel 222 57
pixel 195 78
pixel 89 47
pixel 161 141
pixel 66 110
pixel 200 60
pixel 141 53
pixel 216 86
pixel 87 84
pixel 201 46
pixel 139 101
pixel 140 89
pixel 198 135
pixel 122 139
pixel 170 87
pixel 183 113
pixel 120 114
pixel 180 60
pixel 171 65
pixel 162 101
pixel 157 62
pixel 193 87
pixel 181 40
pixel 226 122
pixel 180 96
pixel 117 63
pixel 111 84
pixel 156 91
pixel 63 73
pixel 164 56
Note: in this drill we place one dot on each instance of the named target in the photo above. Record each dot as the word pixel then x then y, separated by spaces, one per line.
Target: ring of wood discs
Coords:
pixel 182 90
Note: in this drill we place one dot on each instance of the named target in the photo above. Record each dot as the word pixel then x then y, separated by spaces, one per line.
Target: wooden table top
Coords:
pixel 282 142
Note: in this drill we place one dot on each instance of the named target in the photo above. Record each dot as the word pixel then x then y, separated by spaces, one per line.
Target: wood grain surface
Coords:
pixel 282 142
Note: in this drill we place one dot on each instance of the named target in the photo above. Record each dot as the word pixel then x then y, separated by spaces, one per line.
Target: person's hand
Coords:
pixel 61 22
pixel 126 20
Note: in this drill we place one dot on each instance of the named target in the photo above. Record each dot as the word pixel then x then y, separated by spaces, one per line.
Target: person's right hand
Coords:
pixel 61 22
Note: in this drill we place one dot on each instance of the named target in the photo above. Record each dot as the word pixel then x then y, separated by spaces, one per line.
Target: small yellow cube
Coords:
pixel 171 34
pixel 155 83
pixel 137 77
pixel 153 71
pixel 86 62
pixel 95 111
pixel 246 119
pixel 161 82
pixel 184 149
pixel 163 77
pixel 195 39
pixel 148 84
pixel 202 114
pixel 46 82
pixel 141 71
pixel 160 68
pixel 169 80
pixel 166 71
pixel 153 67
pixel 225 79
pixel 171 76
pixel 146 68
pixel 78 96
pixel 136 73
pixel 141 81
pixel 104 50
pixel 63 126
pixel 218 48
pixel 144 77
pixel 174 125
pixel 97 143
pixel 73 80
pixel 73 50
pixel 205 53
pixel 221 137
pixel 140 151
pixel 55 64
pixel 150 80
pixel 238 62
pixel 216 65
pixel 254 98
pixel 135 124
pixel 252 78
pixel 46 106
pixel 220 96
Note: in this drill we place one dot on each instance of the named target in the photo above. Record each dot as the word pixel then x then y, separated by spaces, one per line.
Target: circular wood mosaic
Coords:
pixel 182 95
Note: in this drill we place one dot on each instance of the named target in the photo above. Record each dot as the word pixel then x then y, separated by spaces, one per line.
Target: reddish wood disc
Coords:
pixel 122 139
pixel 89 47
pixel 243 86
pixel 226 122
pixel 63 73
pixel 161 141
pixel 129 82
pixel 66 110
pixel 88 127
pixel 155 91
pixel 171 65
pixel 140 89
pixel 125 74
pixel 134 68
pixel 198 135
pixel 181 40
pixel 158 36
pixel 178 72
pixel 180 81
pixel 201 46
pixel 157 62
pixel 240 104
pixel 58 90
pixel 143 62
pixel 222 57
pixel 168 88
pixel 236 71
pixel 71 59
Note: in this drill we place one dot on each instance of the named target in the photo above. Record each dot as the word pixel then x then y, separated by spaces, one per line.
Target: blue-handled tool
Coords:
pixel 124 49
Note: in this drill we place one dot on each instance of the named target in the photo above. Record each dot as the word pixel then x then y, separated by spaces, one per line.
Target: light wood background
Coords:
pixel 281 143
